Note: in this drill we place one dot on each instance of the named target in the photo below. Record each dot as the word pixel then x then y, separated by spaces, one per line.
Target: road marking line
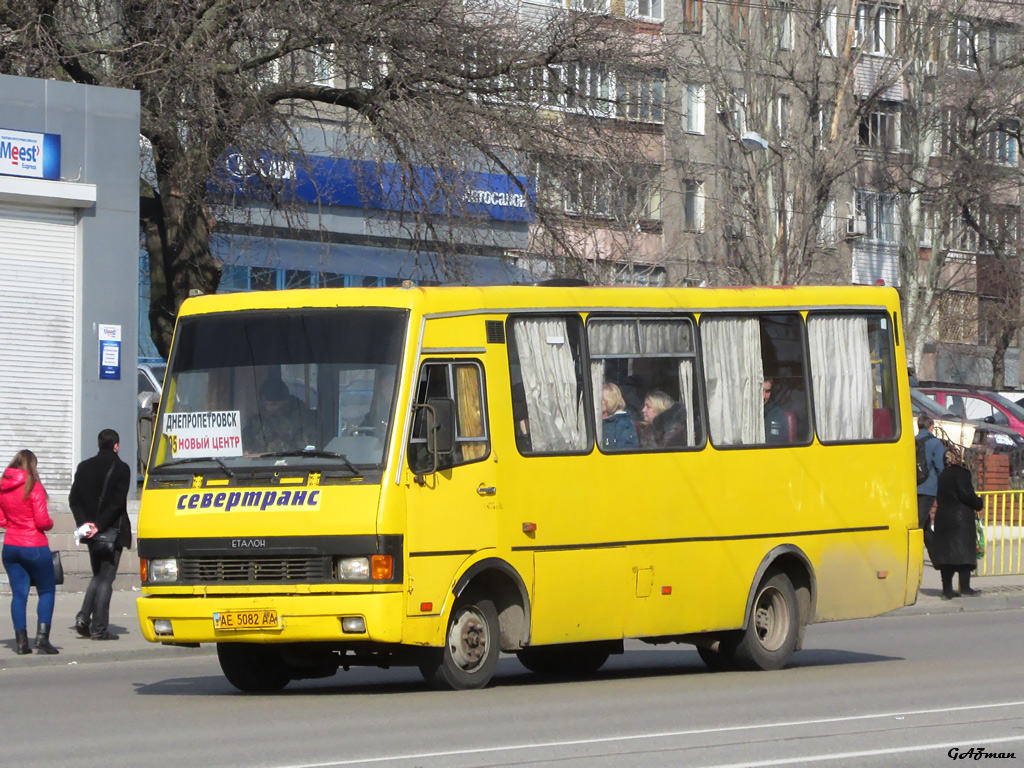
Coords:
pixel 866 753
pixel 676 734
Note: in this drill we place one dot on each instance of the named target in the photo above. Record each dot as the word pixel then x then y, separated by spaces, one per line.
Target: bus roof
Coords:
pixel 496 299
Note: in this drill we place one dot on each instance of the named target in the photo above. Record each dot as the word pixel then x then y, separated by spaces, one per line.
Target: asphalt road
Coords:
pixel 891 691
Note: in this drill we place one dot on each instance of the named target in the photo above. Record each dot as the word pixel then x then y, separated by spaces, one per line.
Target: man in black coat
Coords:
pixel 107 476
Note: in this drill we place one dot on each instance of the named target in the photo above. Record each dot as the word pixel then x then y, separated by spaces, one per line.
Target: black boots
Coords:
pixel 21 638
pixel 43 641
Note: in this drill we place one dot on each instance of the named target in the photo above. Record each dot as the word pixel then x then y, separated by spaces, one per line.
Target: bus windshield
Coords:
pixel 280 388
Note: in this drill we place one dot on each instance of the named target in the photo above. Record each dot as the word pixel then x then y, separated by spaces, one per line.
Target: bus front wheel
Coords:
pixel 253 668
pixel 472 644
pixel 772 627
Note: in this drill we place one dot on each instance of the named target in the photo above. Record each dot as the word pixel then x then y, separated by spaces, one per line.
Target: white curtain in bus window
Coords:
pixel 841 376
pixel 686 388
pixel 597 387
pixel 555 411
pixel 734 374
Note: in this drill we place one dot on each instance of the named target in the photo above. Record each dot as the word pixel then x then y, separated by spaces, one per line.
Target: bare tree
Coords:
pixel 453 86
pixel 791 86
pixel 959 177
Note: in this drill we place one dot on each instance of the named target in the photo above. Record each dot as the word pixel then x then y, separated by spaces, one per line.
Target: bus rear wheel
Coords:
pixel 573 660
pixel 472 644
pixel 253 668
pixel 773 626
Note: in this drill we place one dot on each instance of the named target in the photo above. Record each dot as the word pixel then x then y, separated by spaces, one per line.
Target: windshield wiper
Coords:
pixel 177 462
pixel 315 455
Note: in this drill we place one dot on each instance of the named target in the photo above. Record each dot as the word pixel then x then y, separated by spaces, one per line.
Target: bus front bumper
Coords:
pixel 272 618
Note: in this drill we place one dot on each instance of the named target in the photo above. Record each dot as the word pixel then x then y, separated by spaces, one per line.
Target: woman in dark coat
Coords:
pixel 955 542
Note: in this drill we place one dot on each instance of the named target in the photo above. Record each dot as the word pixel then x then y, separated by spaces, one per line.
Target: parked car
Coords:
pixel 965 433
pixel 976 403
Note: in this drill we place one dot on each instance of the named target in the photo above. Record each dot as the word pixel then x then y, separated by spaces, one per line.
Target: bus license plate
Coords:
pixel 265 619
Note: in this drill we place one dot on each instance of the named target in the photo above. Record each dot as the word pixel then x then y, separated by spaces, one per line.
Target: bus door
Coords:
pixel 451 511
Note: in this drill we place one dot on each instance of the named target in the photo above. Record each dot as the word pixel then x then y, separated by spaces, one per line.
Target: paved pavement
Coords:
pixel 998 593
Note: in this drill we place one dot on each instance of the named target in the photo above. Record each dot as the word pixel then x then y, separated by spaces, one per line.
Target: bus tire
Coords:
pixel 573 660
pixel 472 644
pixel 772 627
pixel 253 668
pixel 717 660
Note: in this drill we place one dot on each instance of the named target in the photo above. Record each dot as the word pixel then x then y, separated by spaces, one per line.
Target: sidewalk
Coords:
pixel 997 593
pixel 124 622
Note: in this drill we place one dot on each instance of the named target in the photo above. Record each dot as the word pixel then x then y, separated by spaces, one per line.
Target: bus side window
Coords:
pixel 756 379
pixel 652 362
pixel 463 383
pixel 546 367
pixel 852 370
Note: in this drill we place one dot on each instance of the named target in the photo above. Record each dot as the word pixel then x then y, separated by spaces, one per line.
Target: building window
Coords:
pixel 828 227
pixel 738 10
pixel 880 129
pixel 1000 145
pixel 784 16
pixel 875 215
pixel 693 108
pixel 876 27
pixel 645 9
pixel 640 96
pixel 735 110
pixel 693 15
pixel 963 45
pixel 693 206
pixel 827 26
pixel 587 89
pixel 784 117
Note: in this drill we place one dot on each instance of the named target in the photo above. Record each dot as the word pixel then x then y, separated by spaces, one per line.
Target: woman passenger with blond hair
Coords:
pixel 26 552
pixel 666 420
pixel 617 430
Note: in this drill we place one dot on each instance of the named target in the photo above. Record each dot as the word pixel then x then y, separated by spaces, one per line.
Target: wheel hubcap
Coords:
pixel 468 640
pixel 771 619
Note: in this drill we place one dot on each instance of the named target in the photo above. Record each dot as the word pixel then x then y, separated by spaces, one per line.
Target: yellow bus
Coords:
pixel 430 475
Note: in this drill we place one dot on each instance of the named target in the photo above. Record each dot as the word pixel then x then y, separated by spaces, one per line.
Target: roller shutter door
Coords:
pixel 38 253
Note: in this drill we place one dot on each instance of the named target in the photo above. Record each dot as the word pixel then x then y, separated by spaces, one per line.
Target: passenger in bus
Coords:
pixel 776 427
pixel 665 421
pixel 617 430
pixel 279 422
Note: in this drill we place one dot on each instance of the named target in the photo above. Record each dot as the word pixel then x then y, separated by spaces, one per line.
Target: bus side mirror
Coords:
pixel 441 428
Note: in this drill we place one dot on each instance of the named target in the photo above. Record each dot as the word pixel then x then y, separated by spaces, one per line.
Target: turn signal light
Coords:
pixel 380 567
pixel 144 569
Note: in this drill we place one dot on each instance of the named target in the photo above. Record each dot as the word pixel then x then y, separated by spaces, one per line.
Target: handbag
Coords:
pixel 104 542
pixel 58 568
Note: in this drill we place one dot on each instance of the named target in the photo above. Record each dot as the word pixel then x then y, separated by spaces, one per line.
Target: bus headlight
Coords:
pixel 353 568
pixel 375 568
pixel 163 571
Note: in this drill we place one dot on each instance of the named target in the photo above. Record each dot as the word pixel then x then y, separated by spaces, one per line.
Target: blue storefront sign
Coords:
pixel 32 155
pixel 382 186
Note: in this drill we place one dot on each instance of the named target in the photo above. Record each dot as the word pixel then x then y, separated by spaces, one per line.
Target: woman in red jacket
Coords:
pixel 26 554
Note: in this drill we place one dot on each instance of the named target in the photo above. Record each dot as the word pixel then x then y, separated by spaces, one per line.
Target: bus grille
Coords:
pixel 255 569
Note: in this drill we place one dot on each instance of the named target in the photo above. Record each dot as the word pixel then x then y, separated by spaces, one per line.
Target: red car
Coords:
pixel 976 403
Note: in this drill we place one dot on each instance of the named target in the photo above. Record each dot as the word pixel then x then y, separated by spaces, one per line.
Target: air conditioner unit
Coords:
pixel 931 67
pixel 856 226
